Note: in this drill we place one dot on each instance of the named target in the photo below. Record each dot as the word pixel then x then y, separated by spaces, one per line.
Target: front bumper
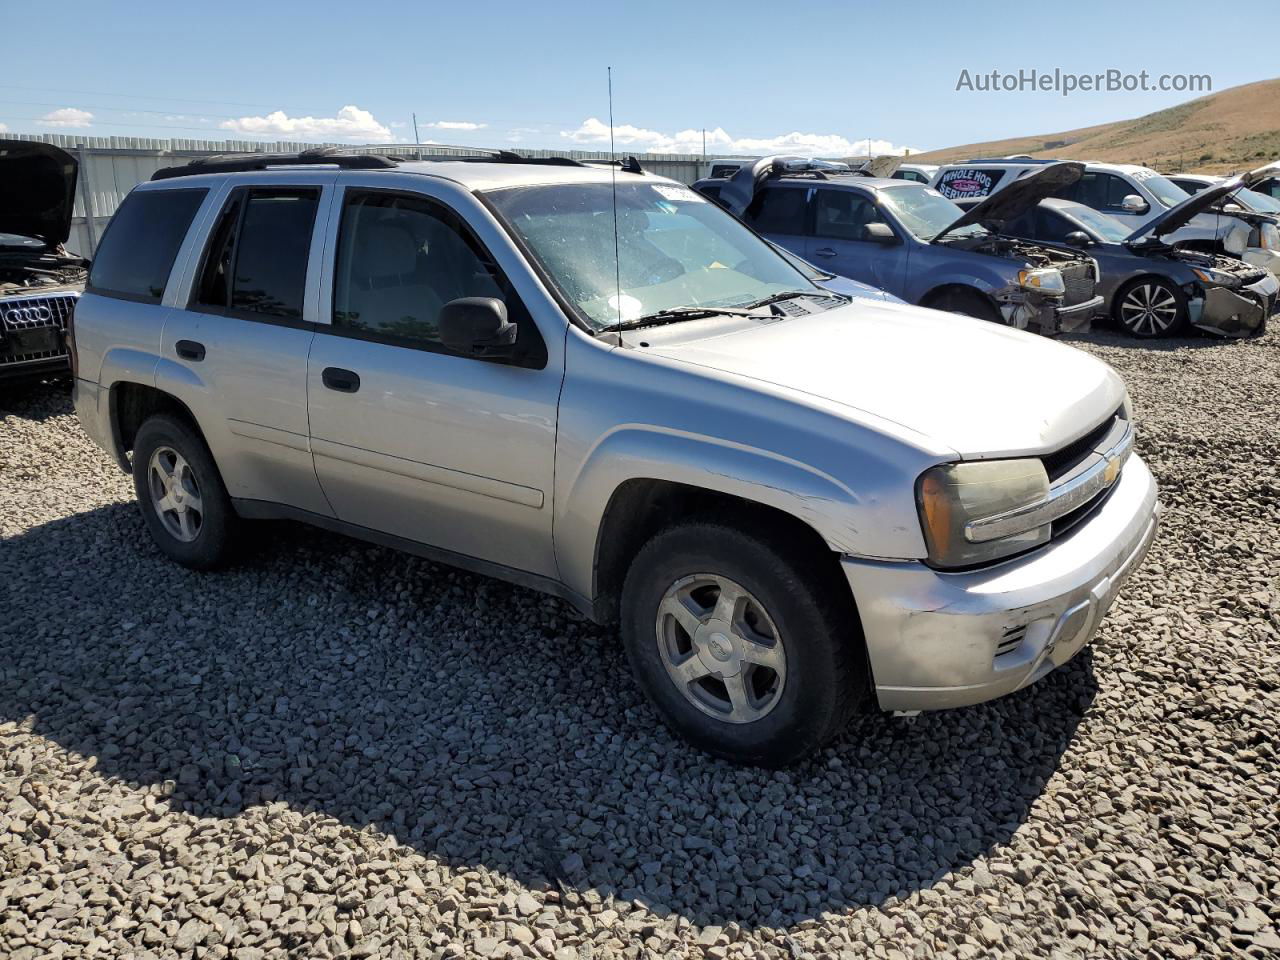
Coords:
pixel 1236 313
pixel 1070 319
pixel 1049 317
pixel 939 640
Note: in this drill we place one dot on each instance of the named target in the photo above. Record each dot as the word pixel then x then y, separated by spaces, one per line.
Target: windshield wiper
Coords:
pixel 789 295
pixel 676 314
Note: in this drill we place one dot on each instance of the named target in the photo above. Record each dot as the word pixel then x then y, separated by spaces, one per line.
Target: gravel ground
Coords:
pixel 336 750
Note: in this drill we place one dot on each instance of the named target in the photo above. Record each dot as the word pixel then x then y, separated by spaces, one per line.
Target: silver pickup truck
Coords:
pixel 595 383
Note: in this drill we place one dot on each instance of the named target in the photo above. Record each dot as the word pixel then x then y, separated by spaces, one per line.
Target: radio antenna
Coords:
pixel 613 180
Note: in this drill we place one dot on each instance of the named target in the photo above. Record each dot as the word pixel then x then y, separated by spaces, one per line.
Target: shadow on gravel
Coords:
pixel 483 725
pixel 36 400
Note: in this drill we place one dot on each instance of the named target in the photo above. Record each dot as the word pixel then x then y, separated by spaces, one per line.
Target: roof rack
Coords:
pixel 242 162
pixel 629 165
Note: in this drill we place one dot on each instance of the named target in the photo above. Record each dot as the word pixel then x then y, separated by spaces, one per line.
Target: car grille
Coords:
pixel 1068 463
pixel 22 315
pixel 1079 281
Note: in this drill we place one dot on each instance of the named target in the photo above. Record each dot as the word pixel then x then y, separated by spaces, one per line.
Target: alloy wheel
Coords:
pixel 175 494
pixel 721 648
pixel 1149 309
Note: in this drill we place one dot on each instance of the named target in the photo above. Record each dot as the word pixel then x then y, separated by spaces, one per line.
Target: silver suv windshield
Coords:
pixel 926 212
pixel 675 249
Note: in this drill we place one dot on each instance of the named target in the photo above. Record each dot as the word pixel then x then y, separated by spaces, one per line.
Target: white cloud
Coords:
pixel 351 123
pixel 457 125
pixel 66 117
pixel 3 128
pixel 594 132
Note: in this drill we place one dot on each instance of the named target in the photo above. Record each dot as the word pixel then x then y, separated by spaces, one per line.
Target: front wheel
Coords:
pixel 181 494
pixel 967 304
pixel 1150 307
pixel 740 644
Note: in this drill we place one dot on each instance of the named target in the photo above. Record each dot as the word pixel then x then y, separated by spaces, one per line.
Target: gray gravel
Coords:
pixel 336 750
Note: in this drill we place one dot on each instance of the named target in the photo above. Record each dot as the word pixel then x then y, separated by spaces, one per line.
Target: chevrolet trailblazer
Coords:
pixel 792 502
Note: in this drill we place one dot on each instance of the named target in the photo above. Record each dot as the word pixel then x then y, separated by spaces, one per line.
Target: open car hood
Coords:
pixel 1262 173
pixel 1019 196
pixel 883 166
pixel 37 190
pixel 1175 218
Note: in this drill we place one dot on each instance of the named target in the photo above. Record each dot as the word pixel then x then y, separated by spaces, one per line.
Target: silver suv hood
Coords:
pixel 979 389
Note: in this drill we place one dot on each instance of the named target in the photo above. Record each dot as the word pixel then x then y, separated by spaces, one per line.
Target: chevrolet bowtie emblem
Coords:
pixel 1111 472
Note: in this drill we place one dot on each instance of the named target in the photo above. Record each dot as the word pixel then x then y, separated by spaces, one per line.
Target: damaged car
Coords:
pixel 1154 288
pixel 1258 210
pixel 909 240
pixel 39 279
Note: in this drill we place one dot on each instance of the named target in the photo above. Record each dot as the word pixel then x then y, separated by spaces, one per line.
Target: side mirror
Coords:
pixel 1232 208
pixel 477 327
pixel 1077 238
pixel 880 233
pixel 1134 204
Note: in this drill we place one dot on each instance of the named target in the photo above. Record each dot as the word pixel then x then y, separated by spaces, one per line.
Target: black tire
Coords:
pixel 214 525
pixel 825 677
pixel 1139 308
pixel 967 304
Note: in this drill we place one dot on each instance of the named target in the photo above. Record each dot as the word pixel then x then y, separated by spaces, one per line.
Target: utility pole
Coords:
pixel 704 152
pixel 417 142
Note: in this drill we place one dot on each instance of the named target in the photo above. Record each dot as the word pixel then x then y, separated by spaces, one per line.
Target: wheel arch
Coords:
pixel 641 507
pixel 130 404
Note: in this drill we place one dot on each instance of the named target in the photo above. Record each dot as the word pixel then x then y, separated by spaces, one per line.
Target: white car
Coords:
pixel 1260 211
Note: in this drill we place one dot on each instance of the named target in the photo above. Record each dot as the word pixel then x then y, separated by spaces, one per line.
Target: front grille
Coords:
pixel 1068 463
pixel 1066 460
pixel 1078 279
pixel 22 315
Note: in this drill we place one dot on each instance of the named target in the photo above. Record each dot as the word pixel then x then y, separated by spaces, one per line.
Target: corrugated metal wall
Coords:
pixel 111 166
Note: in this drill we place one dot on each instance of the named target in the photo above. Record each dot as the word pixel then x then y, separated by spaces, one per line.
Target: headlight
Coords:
pixel 1269 237
pixel 1216 278
pixel 1043 280
pixel 953 495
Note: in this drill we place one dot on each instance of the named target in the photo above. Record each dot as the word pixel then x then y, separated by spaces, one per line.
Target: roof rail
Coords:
pixel 242 162
pixel 630 165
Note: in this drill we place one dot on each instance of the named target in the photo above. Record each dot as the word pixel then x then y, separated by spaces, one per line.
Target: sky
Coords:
pixel 831 79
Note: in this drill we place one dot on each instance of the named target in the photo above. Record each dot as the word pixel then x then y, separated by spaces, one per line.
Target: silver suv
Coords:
pixel 593 382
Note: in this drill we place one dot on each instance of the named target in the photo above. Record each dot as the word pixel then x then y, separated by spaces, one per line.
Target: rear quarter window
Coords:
pixel 137 251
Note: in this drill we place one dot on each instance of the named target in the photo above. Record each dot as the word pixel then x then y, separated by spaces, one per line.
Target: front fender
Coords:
pixel 849 522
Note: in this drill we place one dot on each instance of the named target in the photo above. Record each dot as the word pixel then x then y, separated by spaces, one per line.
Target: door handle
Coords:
pixel 824 252
pixel 344 381
pixel 190 350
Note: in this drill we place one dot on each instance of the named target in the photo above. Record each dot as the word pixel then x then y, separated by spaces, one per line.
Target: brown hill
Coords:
pixel 1234 129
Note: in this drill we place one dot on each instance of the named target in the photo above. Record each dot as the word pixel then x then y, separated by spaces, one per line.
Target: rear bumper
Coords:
pixel 90 402
pixel 939 640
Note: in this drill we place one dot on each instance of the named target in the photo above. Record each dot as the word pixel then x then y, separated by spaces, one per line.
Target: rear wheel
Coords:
pixel 739 644
pixel 1150 307
pixel 181 494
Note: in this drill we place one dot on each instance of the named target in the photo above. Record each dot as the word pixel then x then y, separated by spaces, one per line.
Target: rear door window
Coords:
pixel 256 262
pixel 779 210
pixel 141 243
